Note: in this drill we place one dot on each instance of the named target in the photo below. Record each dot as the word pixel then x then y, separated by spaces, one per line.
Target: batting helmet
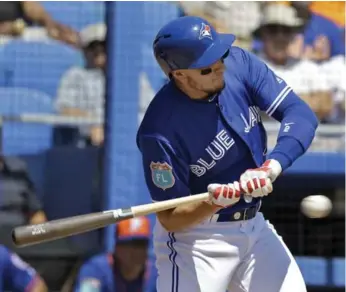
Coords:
pixel 189 42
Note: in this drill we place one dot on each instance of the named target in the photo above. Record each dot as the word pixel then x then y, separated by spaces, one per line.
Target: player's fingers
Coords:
pixel 256 183
pixel 214 191
pixel 237 189
pixel 269 186
pixel 225 191
pixel 213 187
pixel 244 186
pixel 250 186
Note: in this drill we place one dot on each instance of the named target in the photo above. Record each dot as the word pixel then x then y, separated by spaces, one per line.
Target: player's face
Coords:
pixel 95 55
pixel 133 253
pixel 205 81
pixel 276 39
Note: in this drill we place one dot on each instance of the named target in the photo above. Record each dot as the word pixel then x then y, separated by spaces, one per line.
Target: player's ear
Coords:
pixel 178 74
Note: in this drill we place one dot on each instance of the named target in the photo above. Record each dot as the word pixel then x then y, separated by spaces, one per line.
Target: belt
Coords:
pixel 245 214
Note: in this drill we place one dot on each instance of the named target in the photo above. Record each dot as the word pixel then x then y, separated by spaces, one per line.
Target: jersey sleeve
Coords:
pixel 89 279
pixel 166 174
pixel 270 91
pixel 20 276
pixel 272 95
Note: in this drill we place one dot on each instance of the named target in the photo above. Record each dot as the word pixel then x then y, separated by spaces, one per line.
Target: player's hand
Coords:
pixel 251 179
pixel 224 195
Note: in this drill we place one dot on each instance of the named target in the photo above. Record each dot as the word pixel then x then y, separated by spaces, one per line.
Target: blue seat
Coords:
pixel 314 270
pixel 76 14
pixel 38 65
pixel 339 272
pixel 24 138
pixel 2 68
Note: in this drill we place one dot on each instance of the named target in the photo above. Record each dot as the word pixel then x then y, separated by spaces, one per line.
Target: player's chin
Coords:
pixel 219 86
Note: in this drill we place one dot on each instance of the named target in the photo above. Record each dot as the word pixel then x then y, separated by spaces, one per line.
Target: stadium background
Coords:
pixel 72 179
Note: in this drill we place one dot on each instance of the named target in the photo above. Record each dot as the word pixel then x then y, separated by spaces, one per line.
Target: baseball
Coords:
pixel 317 206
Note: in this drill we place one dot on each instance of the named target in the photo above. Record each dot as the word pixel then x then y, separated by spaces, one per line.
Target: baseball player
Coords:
pixel 203 131
pixel 127 268
pixel 16 275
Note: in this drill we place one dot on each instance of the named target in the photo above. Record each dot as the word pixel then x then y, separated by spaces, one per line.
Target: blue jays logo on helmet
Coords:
pixel 205 31
pixel 189 42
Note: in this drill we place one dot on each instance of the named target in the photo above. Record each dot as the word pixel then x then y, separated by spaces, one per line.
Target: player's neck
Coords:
pixel 191 92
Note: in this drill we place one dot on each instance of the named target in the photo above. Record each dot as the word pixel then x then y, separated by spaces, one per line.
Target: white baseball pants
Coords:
pixel 242 256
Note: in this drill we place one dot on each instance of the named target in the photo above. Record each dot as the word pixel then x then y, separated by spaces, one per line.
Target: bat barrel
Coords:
pixel 56 229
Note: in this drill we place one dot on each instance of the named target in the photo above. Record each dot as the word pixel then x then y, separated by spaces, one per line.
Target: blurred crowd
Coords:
pixel 302 42
pixel 127 268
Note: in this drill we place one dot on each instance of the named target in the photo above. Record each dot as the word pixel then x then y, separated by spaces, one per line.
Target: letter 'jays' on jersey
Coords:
pixel 187 144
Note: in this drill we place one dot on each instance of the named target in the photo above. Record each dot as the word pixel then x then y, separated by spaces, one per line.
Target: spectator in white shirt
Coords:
pixel 335 72
pixel 279 26
pixel 82 90
pixel 236 17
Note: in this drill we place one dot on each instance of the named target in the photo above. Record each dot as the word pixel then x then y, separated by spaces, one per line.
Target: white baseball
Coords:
pixel 317 206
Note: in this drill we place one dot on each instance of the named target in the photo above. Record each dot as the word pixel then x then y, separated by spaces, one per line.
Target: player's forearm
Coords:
pixel 326 103
pixel 187 216
pixel 73 112
pixel 297 131
pixel 10 28
pixel 38 218
pixel 35 12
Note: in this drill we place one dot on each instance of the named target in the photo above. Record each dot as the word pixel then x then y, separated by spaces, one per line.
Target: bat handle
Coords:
pixel 247 198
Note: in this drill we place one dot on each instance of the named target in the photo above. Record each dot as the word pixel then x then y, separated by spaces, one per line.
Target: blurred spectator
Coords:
pixel 19 204
pixel 279 26
pixel 127 269
pixel 209 10
pixel 16 275
pixel 15 17
pixel 322 38
pixel 333 10
pixel 335 72
pixel 237 17
pixel 82 90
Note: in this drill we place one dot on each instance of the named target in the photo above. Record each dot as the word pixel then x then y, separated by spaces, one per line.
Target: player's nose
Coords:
pixel 220 70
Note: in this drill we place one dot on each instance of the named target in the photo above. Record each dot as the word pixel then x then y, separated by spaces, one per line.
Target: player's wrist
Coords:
pixel 275 168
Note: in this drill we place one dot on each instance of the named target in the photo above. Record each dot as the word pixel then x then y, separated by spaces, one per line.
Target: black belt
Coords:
pixel 245 214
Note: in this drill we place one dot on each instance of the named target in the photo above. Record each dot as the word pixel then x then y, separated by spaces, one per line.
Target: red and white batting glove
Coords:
pixel 224 195
pixel 268 172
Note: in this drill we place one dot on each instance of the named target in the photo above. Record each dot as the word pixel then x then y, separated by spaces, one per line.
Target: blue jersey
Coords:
pixel 187 144
pixel 321 26
pixel 100 275
pixel 15 274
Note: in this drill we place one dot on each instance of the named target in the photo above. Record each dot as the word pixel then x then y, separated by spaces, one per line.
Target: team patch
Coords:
pixel 162 175
pixel 205 31
pixel 90 285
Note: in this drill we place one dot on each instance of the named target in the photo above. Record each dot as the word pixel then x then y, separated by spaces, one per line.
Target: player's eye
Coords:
pixel 206 71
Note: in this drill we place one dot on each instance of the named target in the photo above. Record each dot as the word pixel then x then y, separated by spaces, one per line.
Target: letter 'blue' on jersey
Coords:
pixel 188 144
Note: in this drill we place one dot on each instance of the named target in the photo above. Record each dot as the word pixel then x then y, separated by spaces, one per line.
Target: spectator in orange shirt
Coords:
pixel 321 38
pixel 332 10
pixel 127 268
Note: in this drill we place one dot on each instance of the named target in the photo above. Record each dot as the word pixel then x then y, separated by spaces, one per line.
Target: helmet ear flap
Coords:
pixel 164 66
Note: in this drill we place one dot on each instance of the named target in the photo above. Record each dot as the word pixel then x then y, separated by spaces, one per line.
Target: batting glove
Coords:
pixel 268 172
pixel 224 195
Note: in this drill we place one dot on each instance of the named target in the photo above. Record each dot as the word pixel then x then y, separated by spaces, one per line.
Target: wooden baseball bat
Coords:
pixel 60 228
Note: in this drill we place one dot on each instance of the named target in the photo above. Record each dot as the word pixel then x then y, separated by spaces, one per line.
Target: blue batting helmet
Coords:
pixel 189 42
